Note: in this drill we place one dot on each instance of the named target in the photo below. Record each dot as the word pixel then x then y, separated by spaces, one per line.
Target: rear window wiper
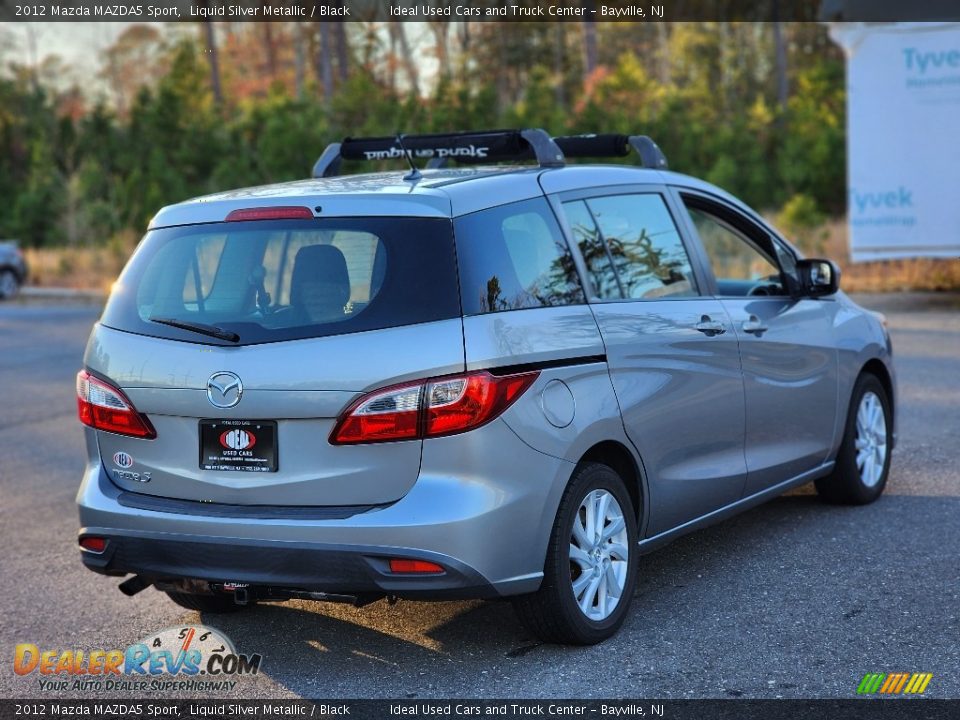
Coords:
pixel 209 330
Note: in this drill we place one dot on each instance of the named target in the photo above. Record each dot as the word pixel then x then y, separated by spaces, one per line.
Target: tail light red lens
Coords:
pixel 389 414
pixel 430 408
pixel 470 401
pixel 93 544
pixel 414 567
pixel 104 407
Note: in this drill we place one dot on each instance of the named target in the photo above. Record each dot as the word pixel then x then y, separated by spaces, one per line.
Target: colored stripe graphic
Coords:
pixel 903 680
pixel 918 683
pixel 870 683
pixel 894 683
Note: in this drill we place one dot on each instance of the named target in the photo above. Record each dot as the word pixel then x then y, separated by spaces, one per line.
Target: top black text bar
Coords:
pixel 637 11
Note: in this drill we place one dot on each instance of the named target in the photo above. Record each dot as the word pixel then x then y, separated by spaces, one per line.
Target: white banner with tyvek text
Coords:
pixel 903 138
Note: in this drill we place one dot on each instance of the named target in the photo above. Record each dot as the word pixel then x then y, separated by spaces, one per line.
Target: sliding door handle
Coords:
pixel 754 326
pixel 710 327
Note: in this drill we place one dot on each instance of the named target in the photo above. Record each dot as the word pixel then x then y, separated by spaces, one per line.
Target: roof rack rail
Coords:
pixel 474 147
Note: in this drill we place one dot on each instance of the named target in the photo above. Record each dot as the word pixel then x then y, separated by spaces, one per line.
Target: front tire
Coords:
pixel 9 285
pixel 590 570
pixel 863 462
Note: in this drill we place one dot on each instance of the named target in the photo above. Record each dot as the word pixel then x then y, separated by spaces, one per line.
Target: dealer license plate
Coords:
pixel 244 445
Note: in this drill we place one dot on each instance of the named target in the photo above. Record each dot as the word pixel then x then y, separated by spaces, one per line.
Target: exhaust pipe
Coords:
pixel 131 586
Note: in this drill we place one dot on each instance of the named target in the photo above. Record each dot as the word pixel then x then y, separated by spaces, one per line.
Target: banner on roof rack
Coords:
pixel 484 146
pixel 903 139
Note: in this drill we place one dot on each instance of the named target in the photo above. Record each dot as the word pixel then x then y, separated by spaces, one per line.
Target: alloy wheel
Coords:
pixel 871 440
pixel 599 555
pixel 8 284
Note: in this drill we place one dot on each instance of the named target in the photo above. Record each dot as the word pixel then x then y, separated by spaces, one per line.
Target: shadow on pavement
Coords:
pixel 782 579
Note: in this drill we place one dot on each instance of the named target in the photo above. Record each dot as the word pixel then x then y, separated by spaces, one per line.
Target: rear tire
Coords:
pixel 206 603
pixel 9 284
pixel 590 570
pixel 863 462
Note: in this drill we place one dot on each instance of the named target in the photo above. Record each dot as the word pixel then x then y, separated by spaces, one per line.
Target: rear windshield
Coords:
pixel 266 281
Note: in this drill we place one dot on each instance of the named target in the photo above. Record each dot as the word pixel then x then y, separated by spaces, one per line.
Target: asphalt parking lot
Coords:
pixel 792 599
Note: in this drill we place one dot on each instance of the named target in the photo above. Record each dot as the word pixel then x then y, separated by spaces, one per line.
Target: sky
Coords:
pixel 78 44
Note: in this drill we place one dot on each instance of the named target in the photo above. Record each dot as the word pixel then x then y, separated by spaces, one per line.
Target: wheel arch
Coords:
pixel 617 456
pixel 14 269
pixel 879 370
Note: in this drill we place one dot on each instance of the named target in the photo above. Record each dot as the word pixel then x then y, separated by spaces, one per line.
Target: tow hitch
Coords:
pixel 239 590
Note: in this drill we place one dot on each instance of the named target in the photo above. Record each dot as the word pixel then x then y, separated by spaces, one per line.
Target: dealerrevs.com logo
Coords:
pixel 192 657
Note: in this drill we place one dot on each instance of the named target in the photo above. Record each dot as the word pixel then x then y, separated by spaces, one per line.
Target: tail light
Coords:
pixel 277 212
pixel 93 544
pixel 430 408
pixel 104 407
pixel 414 567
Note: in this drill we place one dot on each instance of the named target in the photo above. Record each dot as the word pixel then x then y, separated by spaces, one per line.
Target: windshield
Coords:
pixel 264 281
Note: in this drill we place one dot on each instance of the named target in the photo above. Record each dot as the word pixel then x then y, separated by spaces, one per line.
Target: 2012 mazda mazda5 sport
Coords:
pixel 477 381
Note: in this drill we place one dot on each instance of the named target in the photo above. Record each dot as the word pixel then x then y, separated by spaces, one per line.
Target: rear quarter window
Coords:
pixel 514 257
pixel 280 280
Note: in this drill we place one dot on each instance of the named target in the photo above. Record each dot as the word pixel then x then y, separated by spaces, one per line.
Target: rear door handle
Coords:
pixel 710 327
pixel 754 326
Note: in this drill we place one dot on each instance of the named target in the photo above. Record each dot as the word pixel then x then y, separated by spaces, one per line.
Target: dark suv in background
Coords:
pixel 13 269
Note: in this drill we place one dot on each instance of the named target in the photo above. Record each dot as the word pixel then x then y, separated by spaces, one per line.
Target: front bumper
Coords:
pixel 482 508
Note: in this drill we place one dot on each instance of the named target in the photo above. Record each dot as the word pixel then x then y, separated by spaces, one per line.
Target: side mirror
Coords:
pixel 818 278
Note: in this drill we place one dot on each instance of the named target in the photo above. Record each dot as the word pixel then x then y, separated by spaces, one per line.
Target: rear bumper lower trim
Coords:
pixel 353 570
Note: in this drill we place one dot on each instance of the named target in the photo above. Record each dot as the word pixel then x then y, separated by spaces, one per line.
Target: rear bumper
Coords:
pixel 482 508
pixel 335 569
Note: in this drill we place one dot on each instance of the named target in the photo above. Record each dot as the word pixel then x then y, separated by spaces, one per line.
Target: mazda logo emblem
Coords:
pixel 224 389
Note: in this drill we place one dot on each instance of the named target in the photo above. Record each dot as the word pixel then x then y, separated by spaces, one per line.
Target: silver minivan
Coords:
pixel 482 381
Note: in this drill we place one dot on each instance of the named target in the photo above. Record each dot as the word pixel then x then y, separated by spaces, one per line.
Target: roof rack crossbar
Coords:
pixel 593 145
pixel 469 147
pixel 611 145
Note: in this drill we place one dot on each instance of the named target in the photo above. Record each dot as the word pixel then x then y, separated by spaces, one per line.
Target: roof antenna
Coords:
pixel 414 173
